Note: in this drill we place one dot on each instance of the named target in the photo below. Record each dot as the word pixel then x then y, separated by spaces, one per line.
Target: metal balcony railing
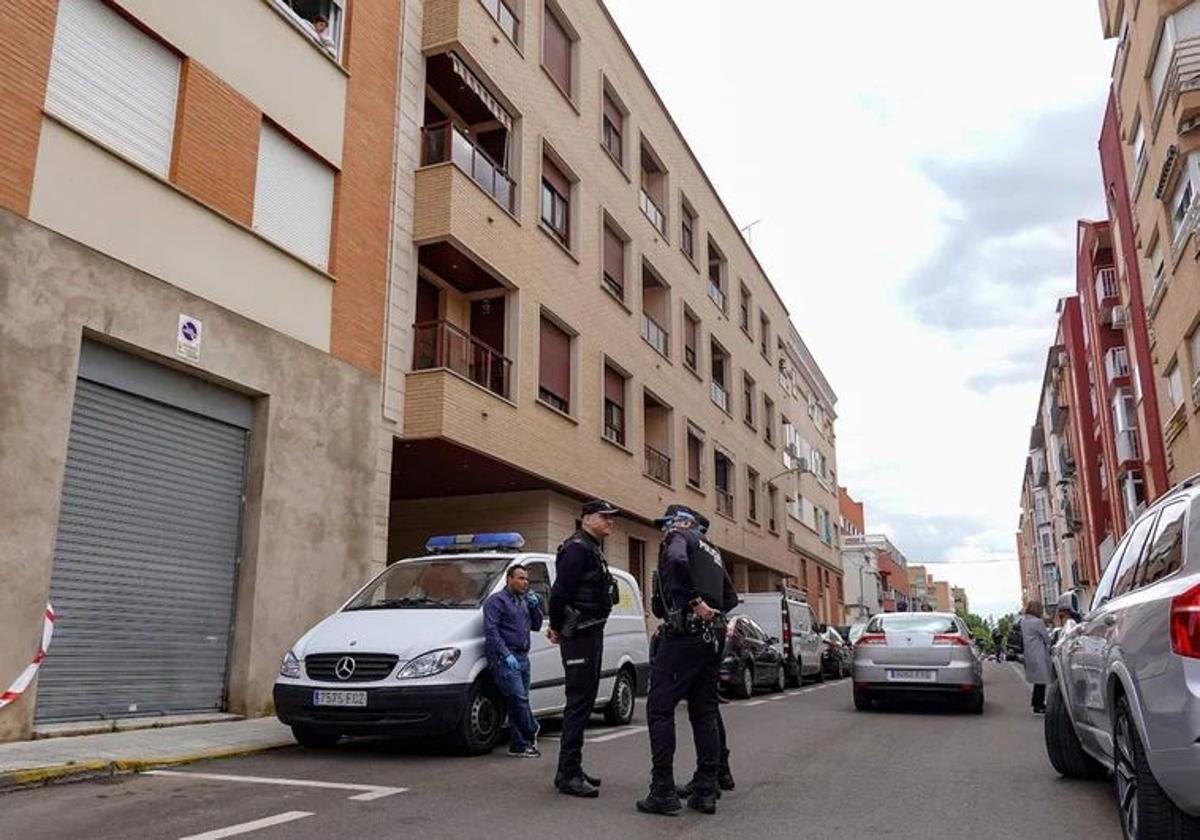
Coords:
pixel 445 143
pixel 724 502
pixel 720 396
pixel 1106 285
pixel 440 344
pixel 716 294
pixel 655 334
pixel 652 212
pixel 1116 363
pixel 658 465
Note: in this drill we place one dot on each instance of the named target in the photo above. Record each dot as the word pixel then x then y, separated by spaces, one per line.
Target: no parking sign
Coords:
pixel 187 338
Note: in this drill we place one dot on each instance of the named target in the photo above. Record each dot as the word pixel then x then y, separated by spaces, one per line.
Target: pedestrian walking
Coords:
pixel 509 616
pixel 693 593
pixel 580 602
pixel 1036 643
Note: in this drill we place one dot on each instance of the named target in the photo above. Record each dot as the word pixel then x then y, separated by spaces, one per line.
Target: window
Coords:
pixel 764 331
pixel 114 83
pixel 1174 380
pixel 1132 554
pixel 1139 145
pixel 614 262
pixel 716 275
pixel 612 129
pixel 748 399
pixel 614 405
pixel 1166 546
pixel 768 420
pixel 539 580
pixel 691 339
pixel 1158 265
pixel 772 506
pixel 687 230
pixel 723 481
pixel 744 309
pixel 557 50
pixel 306 12
pixel 637 562
pixel 695 456
pixel 652 197
pixel 1194 345
pixel 720 362
pixel 504 16
pixel 293 197
pixel 1181 201
pixel 554 374
pixel 556 201
pixel 752 494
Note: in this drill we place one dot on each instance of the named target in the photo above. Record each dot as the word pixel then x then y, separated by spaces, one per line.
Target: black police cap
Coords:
pixel 599 506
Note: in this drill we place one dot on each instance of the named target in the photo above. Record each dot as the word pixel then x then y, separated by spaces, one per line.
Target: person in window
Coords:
pixel 509 616
pixel 320 25
pixel 1036 641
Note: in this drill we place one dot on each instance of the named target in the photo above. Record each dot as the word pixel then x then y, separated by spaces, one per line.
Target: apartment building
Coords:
pixel 876 576
pixel 852 520
pixel 920 588
pixel 943 602
pixel 962 604
pixel 194 222
pixel 1156 111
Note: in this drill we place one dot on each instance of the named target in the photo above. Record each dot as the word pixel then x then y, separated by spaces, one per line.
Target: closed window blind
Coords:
pixel 614 387
pixel 114 83
pixel 555 356
pixel 293 197
pixel 556 51
pixel 614 257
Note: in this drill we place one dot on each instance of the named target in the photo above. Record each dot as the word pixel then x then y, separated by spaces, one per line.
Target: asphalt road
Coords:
pixel 807 765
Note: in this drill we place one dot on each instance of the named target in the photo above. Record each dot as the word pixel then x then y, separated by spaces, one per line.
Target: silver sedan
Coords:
pixel 917 654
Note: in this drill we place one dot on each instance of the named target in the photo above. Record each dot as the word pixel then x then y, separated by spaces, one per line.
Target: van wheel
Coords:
pixel 745 686
pixel 1062 743
pixel 619 711
pixel 479 728
pixel 1146 810
pixel 315 739
pixel 794 678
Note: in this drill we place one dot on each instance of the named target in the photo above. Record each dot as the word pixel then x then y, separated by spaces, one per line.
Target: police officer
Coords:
pixel 693 593
pixel 580 601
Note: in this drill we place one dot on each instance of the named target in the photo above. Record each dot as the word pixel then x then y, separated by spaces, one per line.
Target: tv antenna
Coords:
pixel 746 231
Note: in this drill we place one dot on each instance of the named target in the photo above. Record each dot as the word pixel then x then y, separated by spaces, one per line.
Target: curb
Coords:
pixel 80 770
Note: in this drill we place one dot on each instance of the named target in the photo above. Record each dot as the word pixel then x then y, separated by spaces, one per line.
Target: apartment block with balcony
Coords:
pixel 875 570
pixel 560 322
pixel 1156 111
pixel 194 224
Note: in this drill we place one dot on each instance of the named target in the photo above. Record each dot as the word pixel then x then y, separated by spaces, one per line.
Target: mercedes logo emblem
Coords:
pixel 344 669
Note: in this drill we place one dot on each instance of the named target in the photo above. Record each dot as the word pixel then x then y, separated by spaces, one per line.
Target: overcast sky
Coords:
pixel 918 169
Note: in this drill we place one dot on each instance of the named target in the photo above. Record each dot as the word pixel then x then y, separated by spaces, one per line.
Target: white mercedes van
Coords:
pixel 404 656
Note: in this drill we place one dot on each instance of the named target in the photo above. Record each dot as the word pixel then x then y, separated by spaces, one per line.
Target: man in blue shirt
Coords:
pixel 509 616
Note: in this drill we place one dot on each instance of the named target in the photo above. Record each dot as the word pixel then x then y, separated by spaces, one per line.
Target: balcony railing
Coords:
pixel 1127 446
pixel 1183 73
pixel 724 502
pixel 445 143
pixel 504 16
pixel 651 211
pixel 1106 285
pixel 720 396
pixel 440 344
pixel 716 294
pixel 1116 363
pixel 1187 226
pixel 655 334
pixel 658 465
pixel 689 356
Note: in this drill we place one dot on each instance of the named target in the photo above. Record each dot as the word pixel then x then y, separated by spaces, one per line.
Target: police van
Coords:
pixel 404 656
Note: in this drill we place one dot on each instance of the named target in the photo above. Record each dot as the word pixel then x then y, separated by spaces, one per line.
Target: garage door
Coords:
pixel 145 561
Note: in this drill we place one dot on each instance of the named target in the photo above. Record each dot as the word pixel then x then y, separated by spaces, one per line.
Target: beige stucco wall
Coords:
pixel 246 43
pixel 92 195
pixel 308 525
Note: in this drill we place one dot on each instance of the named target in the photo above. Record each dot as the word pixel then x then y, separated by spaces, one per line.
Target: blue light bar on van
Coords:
pixel 509 540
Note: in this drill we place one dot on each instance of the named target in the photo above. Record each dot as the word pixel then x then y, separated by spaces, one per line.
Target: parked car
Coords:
pixel 404 655
pixel 854 631
pixel 836 654
pixel 1126 693
pixel 787 617
pixel 752 659
pixel 917 655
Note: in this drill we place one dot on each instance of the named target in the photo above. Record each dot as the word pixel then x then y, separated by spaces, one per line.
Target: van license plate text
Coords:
pixel 913 676
pixel 340 698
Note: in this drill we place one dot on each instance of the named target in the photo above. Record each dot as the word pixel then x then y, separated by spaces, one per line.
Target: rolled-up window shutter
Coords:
pixel 556 178
pixel 555 360
pixel 293 197
pixel 556 51
pixel 614 255
pixel 614 387
pixel 613 112
pixel 689 332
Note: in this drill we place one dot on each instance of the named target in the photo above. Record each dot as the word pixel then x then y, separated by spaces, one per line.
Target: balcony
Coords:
pixel 656 311
pixel 724 502
pixel 441 345
pixel 1058 414
pixel 720 396
pixel 657 465
pixel 1182 67
pixel 1128 450
pixel 717 295
pixel 655 334
pixel 446 143
pixel 1116 365
pixel 652 212
pixel 1107 291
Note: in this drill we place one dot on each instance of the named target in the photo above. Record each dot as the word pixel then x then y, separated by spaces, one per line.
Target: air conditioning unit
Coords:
pixel 1120 317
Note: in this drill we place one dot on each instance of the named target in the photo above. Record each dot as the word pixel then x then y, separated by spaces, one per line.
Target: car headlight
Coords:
pixel 290 667
pixel 428 664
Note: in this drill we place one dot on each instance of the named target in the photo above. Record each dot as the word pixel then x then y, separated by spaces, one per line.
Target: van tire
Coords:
pixel 794 678
pixel 315 739
pixel 479 729
pixel 620 707
pixel 1062 743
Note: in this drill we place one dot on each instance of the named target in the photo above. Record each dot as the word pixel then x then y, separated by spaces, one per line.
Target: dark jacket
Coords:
pixel 689 568
pixel 507 622
pixel 582 580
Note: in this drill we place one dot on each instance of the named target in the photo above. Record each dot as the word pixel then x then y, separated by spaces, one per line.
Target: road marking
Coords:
pixel 754 703
pixel 367 792
pixel 620 733
pixel 247 827
pixel 777 697
pixel 1017 670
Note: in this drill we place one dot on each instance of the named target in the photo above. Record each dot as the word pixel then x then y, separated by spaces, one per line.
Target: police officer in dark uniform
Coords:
pixel 580 602
pixel 693 593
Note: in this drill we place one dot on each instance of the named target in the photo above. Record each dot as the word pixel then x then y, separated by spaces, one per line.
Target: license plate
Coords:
pixel 339 698
pixel 913 675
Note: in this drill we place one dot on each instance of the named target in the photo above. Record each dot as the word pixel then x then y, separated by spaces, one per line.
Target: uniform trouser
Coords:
pixel 685 668
pixel 581 663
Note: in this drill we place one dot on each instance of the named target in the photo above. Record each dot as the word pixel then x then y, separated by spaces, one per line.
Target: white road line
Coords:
pixel 754 703
pixel 247 827
pixel 367 792
pixel 620 733
pixel 1017 670
pixel 777 697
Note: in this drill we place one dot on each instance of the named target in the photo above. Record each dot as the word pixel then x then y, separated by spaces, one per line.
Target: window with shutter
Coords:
pixel 695 452
pixel 614 262
pixel 556 201
pixel 613 130
pixel 554 382
pixel 114 83
pixel 687 232
pixel 556 50
pixel 752 494
pixel 293 197
pixel 691 338
pixel 614 405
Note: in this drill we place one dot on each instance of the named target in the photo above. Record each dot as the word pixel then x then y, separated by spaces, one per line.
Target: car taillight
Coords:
pixel 871 639
pixel 1185 623
pixel 950 639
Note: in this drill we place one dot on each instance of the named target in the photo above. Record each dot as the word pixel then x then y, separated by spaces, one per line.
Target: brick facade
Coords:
pixel 23 74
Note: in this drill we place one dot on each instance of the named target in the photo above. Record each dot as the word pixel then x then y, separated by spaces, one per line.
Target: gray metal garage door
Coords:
pixel 145 562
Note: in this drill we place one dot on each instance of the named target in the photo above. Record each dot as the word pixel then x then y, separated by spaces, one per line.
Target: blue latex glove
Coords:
pixel 533 600
pixel 511 662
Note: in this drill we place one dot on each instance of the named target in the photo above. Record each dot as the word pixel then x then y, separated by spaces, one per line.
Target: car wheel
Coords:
pixel 794 680
pixel 479 728
pixel 619 711
pixel 315 739
pixel 862 700
pixel 745 686
pixel 1062 743
pixel 1146 810
pixel 780 678
pixel 821 673
pixel 975 702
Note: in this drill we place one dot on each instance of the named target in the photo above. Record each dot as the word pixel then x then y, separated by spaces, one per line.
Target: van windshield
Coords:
pixel 446 582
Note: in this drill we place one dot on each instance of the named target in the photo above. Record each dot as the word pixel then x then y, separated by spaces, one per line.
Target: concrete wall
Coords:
pixel 308 527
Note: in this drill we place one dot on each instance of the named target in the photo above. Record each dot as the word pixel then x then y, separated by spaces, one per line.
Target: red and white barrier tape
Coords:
pixel 18 688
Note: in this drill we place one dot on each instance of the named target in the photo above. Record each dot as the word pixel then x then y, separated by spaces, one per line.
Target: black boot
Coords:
pixel 685 791
pixel 662 801
pixel 594 781
pixel 724 780
pixel 577 786
pixel 704 802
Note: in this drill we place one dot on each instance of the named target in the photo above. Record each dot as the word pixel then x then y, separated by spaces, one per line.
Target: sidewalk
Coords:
pixel 34 762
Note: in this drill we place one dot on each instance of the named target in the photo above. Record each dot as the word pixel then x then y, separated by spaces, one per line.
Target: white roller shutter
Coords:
pixel 293 197
pixel 114 83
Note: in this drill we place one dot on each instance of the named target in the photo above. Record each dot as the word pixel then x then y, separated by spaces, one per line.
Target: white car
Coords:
pixel 404 656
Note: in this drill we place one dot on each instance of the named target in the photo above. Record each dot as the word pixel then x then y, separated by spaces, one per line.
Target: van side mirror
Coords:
pixel 772 640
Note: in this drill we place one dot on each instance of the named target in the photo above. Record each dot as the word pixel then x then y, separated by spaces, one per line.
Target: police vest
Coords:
pixel 595 595
pixel 704 562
